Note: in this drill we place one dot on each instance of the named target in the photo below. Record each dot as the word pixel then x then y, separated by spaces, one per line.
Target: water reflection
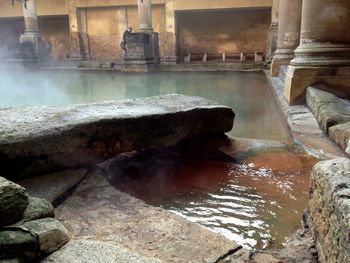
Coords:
pixel 246 92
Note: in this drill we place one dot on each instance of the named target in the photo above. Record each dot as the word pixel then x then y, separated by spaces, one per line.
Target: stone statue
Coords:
pixel 127 31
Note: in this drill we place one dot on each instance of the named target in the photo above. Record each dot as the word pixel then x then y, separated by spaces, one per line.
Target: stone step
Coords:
pixel 36 140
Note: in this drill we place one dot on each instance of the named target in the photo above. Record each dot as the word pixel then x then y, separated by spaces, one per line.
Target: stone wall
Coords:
pixel 329 209
pixel 105 31
pixel 55 31
pixel 230 31
pixel 10 30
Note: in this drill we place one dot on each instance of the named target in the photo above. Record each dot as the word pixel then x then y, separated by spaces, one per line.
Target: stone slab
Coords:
pixel 305 130
pixel 38 140
pixel 328 109
pixel 96 252
pixel 53 187
pixel 329 209
pixel 98 212
pixel 341 134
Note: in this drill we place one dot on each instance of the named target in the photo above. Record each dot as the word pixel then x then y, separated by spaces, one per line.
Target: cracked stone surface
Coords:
pixel 37 140
pixel 329 209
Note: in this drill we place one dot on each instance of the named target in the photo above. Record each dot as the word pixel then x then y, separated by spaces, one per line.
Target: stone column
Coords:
pixel 30 40
pixel 122 16
pixel 170 33
pixel 273 32
pixel 323 55
pixel 75 38
pixel 145 16
pixel 288 33
pixel 85 46
pixel 30 18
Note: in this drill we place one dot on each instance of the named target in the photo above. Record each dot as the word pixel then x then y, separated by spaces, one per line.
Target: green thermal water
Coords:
pixel 257 115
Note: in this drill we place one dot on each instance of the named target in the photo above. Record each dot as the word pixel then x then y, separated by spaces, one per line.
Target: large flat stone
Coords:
pixel 39 139
pixel 53 187
pixel 98 212
pixel 88 251
pixel 328 109
pixel 329 209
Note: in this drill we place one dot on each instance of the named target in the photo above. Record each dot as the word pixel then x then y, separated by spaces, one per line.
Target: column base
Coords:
pixel 299 78
pixel 277 62
pixel 31 46
pixel 141 49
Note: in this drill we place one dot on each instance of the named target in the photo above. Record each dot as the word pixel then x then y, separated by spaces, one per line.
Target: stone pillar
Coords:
pixel 75 38
pixel 170 52
pixel 30 18
pixel 85 46
pixel 323 55
pixel 30 40
pixel 273 32
pixel 288 33
pixel 122 17
pixel 145 15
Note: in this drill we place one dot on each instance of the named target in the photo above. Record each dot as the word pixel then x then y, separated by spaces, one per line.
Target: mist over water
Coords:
pixel 246 92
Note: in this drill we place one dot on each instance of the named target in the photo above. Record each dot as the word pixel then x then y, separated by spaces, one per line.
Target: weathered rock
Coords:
pixel 341 134
pixel 98 212
pixel 329 209
pixel 50 233
pixel 38 208
pixel 16 242
pixel 327 108
pixel 94 251
pixel 40 139
pixel 53 187
pixel 13 202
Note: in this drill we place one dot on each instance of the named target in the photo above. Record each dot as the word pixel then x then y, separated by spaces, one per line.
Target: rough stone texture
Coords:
pixel 327 108
pixel 38 208
pixel 53 187
pixel 341 134
pixel 16 242
pixel 329 209
pixel 146 230
pixel 87 251
pixel 305 130
pixel 50 233
pixel 13 202
pixel 40 139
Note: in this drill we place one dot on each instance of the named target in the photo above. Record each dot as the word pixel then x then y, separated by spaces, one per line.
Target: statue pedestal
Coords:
pixel 141 51
pixel 32 47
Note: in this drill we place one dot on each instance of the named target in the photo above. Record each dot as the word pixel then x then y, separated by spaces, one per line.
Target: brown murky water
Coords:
pixel 258 203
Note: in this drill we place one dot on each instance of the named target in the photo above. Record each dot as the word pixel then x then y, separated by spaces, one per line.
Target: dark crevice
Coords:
pixel 229 253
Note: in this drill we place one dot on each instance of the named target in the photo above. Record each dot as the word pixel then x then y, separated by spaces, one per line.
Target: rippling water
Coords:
pixel 250 204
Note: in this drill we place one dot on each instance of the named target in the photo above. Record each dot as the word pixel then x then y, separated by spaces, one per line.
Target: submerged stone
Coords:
pixel 40 139
pixel 13 202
